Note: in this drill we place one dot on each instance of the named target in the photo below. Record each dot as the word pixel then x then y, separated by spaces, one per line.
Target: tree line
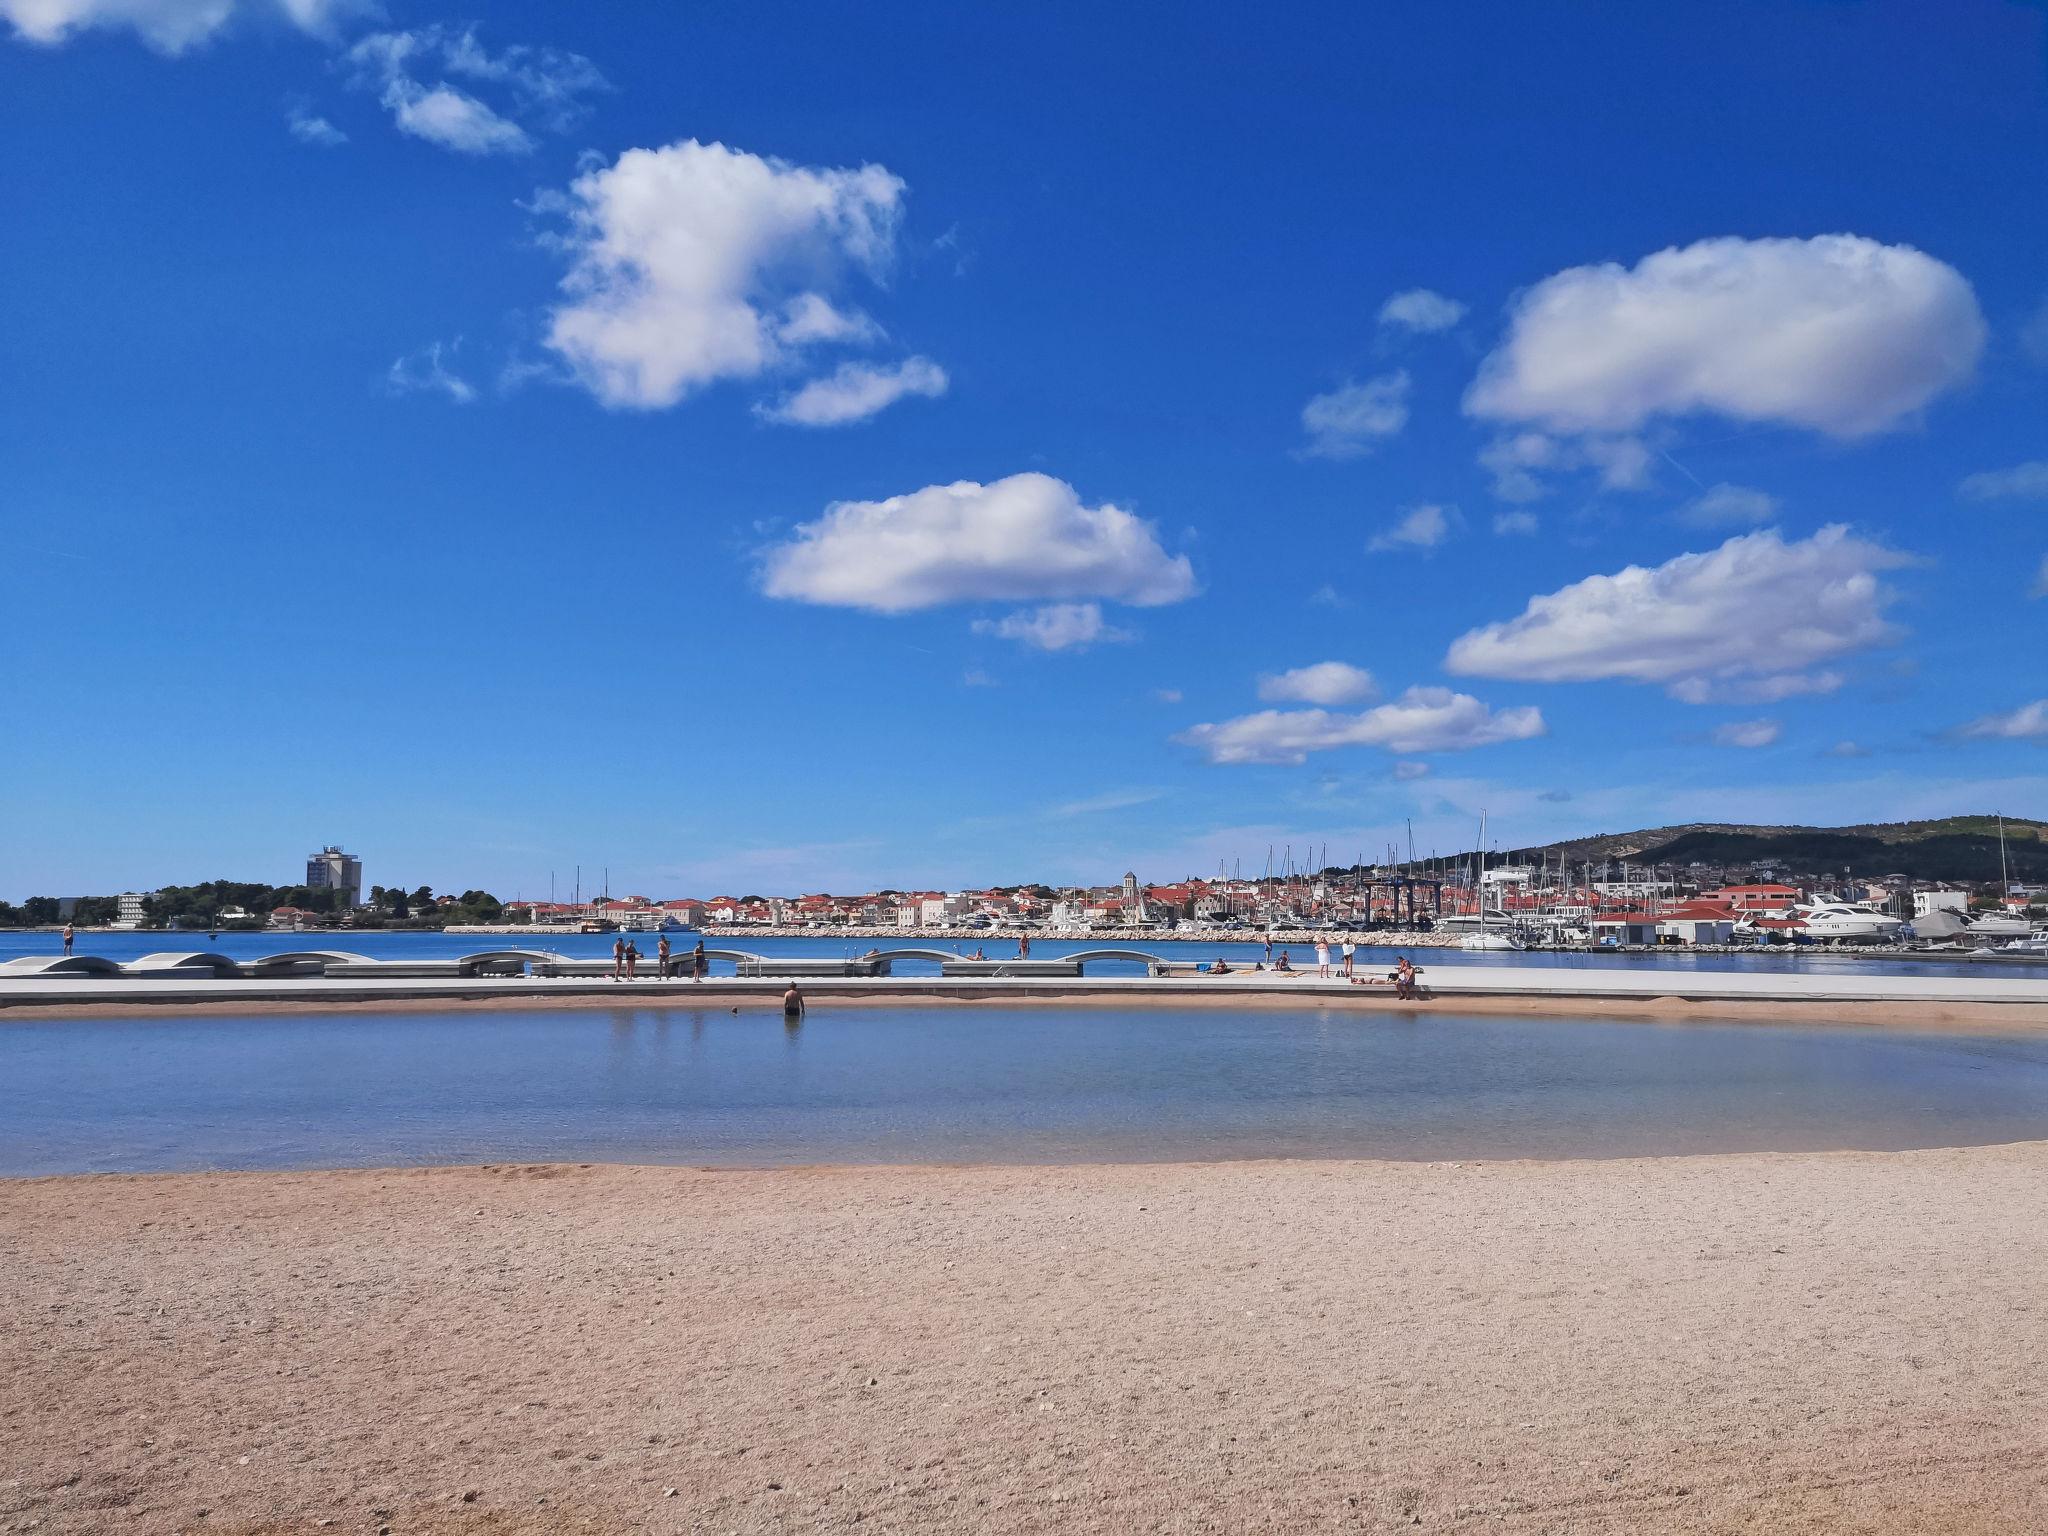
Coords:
pixel 202 906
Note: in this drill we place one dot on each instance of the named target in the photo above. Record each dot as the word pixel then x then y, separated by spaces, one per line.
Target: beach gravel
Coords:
pixel 1850 1342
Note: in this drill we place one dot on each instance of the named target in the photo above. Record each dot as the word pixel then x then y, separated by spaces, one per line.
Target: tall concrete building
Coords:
pixel 342 873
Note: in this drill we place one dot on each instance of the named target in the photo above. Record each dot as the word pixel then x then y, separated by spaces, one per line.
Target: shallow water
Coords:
pixel 182 1090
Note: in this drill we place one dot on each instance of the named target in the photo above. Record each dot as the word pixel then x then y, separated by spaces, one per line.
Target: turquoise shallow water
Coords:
pixel 173 1089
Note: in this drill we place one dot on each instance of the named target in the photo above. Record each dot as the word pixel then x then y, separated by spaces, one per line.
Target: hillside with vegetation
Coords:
pixel 1963 848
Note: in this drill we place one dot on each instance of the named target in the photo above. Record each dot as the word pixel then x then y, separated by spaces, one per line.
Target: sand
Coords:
pixel 1842 1342
pixel 1918 1017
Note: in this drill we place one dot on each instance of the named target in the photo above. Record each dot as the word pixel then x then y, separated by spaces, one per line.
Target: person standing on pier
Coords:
pixel 661 955
pixel 68 936
pixel 1323 959
pixel 700 963
pixel 618 958
pixel 1350 954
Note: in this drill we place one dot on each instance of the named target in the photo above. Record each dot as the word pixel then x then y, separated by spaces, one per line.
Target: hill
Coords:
pixel 1951 848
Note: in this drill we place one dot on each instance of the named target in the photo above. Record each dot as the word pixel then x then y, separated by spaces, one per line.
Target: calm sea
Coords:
pixel 179 1089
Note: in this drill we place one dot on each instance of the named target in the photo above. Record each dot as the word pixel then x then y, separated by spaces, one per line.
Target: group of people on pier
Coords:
pixel 626 960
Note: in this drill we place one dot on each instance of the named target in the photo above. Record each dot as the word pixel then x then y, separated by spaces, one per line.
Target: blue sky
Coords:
pixel 776 447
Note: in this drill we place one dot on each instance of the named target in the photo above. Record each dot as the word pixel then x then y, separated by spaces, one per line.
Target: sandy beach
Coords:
pixel 1840 1342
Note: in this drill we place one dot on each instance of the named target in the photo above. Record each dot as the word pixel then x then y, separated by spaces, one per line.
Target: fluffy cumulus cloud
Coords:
pixel 1421 309
pixel 1055 627
pixel 1422 527
pixel 1349 422
pixel 1421 720
pixel 1025 538
pixel 855 391
pixel 2023 482
pixel 1729 506
pixel 1322 682
pixel 1838 334
pixel 1758 607
pixel 1747 733
pixel 414 75
pixel 695 262
pixel 2027 723
pixel 169 26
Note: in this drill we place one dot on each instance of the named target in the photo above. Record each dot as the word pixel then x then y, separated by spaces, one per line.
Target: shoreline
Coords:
pixel 2019 1013
pixel 1800 1343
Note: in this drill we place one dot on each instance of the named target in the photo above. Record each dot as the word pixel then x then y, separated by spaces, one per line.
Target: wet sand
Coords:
pixel 1839 1342
pixel 1973 1018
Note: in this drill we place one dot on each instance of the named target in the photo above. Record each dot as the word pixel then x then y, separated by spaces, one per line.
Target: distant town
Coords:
pixel 1649 900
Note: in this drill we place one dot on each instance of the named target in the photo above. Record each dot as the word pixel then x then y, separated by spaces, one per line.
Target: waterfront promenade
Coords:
pixel 2000 1001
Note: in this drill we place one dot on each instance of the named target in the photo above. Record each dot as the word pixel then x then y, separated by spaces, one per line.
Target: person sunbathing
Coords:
pixel 1220 968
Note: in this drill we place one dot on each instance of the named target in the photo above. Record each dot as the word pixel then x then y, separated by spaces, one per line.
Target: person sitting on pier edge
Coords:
pixel 661 955
pixel 1404 977
pixel 1282 964
pixel 792 1003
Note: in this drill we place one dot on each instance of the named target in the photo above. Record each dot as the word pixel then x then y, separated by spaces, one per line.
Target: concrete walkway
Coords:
pixel 1444 982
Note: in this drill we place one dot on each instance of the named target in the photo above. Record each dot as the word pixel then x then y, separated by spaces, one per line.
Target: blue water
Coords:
pixel 172 1089
pixel 437 946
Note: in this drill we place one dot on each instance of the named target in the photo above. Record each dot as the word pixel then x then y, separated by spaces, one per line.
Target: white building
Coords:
pixel 129 909
pixel 332 870
pixel 937 911
pixel 1925 902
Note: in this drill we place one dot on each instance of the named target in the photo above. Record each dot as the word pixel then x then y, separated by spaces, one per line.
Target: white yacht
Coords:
pixel 1489 943
pixel 1836 921
pixel 1998 925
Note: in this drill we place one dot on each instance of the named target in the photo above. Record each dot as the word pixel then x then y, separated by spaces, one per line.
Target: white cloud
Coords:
pixel 1747 733
pixel 2027 723
pixel 1408 772
pixel 1421 720
pixel 1518 461
pixel 1754 690
pixel 2040 587
pixel 812 317
pixel 1349 421
pixel 310 128
pixel 2028 482
pixel 1055 627
pixel 1167 695
pixel 975 677
pixel 1847 749
pixel 1421 309
pixel 1725 506
pixel 1422 527
pixel 2034 336
pixel 1323 682
pixel 545 86
pixel 424 371
pixel 169 26
pixel 1839 334
pixel 695 262
pixel 1756 607
pixel 1024 538
pixel 1113 800
pixel 856 391
pixel 1514 523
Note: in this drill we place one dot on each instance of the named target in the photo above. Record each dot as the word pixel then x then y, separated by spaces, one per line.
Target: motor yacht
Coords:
pixel 1489 943
pixel 1838 921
